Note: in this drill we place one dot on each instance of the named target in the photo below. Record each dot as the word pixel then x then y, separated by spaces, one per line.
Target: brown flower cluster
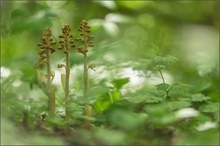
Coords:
pixel 66 39
pixel 85 37
pixel 46 48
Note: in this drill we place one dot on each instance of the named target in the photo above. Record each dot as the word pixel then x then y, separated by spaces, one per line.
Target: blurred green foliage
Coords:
pixel 134 41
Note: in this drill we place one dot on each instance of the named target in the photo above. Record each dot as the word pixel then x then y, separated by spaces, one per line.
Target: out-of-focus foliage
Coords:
pixel 156 80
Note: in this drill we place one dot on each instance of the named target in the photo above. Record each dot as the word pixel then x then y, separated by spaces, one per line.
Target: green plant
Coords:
pixel 45 52
pixel 86 40
pixel 66 43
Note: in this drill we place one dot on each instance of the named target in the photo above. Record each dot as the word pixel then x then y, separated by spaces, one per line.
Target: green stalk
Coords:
pixel 86 39
pixel 67 99
pixel 51 94
pixel 85 76
pixel 44 58
pixel 162 76
pixel 66 43
pixel 88 108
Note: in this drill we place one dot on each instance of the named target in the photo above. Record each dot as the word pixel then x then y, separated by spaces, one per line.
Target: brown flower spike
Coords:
pixel 66 39
pixel 85 37
pixel 86 40
pixel 66 42
pixel 45 48
pixel 45 52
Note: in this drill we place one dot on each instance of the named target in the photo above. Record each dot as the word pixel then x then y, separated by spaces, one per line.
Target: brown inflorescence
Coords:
pixel 85 37
pixel 66 39
pixel 46 48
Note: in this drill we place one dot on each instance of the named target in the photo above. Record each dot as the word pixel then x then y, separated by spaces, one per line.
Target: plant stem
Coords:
pixel 67 100
pixel 85 75
pixel 162 76
pixel 88 108
pixel 51 94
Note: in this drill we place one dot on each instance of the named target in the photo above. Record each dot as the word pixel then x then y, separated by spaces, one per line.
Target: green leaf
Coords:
pixel 174 105
pixel 125 119
pixel 199 98
pixel 97 91
pixel 159 67
pixel 114 96
pixel 28 70
pixel 145 98
pixel 160 113
pixel 136 99
pixel 19 12
pixel 141 64
pixel 101 105
pixel 120 82
pixel 164 60
pixel 210 108
pixel 105 100
pixel 179 90
pixel 202 86
pixel 162 86
pixel 157 109
pixel 154 99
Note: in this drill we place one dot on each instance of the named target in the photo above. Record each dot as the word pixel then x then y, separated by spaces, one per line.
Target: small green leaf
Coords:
pixel 115 95
pixel 162 86
pixel 120 82
pixel 159 67
pixel 199 98
pixel 154 99
pixel 105 100
pixel 174 105
pixel 101 105
pixel 179 90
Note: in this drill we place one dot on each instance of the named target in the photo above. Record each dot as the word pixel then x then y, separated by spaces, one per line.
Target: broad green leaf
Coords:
pixel 28 70
pixel 118 83
pixel 210 108
pixel 199 98
pixel 202 86
pixel 105 100
pixel 167 118
pixel 125 119
pixel 97 91
pixel 154 99
pixel 136 99
pixel 160 114
pixel 19 12
pixel 174 105
pixel 178 90
pixel 162 86
pixel 115 95
pixel 101 105
pixel 157 109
